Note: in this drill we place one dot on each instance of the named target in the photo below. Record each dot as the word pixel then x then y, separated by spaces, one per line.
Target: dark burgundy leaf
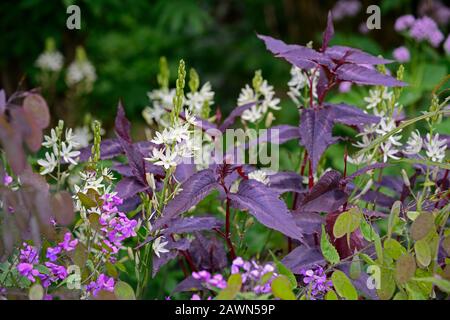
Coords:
pixel 350 115
pixel 188 284
pixel 329 181
pixel 328 33
pixel 362 75
pixel 208 253
pixel 301 258
pixel 129 186
pixel 62 206
pixel 309 222
pixel 187 225
pixel 315 133
pixel 194 189
pixel 327 202
pixel 266 207
pixel 364 170
pixel 282 182
pixel 2 102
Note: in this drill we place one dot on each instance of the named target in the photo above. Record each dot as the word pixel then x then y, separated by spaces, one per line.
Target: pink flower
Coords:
pixel 447 45
pixel 345 86
pixel 7 180
pixel 404 22
pixel 27 270
pixel 401 54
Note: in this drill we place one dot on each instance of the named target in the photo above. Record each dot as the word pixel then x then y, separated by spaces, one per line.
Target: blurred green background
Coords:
pixel 125 38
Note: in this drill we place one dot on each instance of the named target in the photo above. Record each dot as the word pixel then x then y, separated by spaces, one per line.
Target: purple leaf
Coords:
pixel 329 201
pixel 266 207
pixel 187 225
pixel 194 189
pixel 109 148
pixel 364 170
pixel 174 247
pixel 234 114
pixel 208 253
pixel 301 258
pixel 350 115
pixel 315 133
pixel 352 55
pixel 184 171
pixel 329 181
pixel 129 186
pixel 328 33
pixel 131 204
pixel 309 222
pixel 188 284
pixel 362 75
pixel 282 182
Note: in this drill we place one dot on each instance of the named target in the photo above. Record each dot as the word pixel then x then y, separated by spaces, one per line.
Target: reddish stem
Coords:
pixel 310 176
pixel 228 230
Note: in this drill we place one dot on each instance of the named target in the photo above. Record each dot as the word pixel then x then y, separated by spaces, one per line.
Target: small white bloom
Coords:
pixel 50 61
pixel 159 246
pixel 67 154
pixel 79 71
pixel 435 147
pixel 414 143
pixel 190 118
pixel 51 140
pixel 259 175
pixel 254 114
pixel 387 125
pixel 196 100
pixel 49 164
pixel 164 158
pixel 82 136
pixel 389 151
pixel 247 95
pixel 71 139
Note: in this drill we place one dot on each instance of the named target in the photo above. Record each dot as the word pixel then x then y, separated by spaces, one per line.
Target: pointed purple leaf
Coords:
pixel 309 222
pixel 328 33
pixel 301 258
pixel 353 55
pixel 362 75
pixel 315 133
pixel 193 190
pixel 282 182
pixel 350 115
pixel 228 122
pixel 188 225
pixel 266 207
pixel 129 186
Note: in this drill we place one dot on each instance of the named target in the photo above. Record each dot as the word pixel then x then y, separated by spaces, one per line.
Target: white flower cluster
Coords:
pixel 195 101
pixel 434 146
pixel 82 136
pixel 81 71
pixel 177 143
pixel 378 101
pixel 300 80
pixel 60 150
pixel 50 61
pixel 91 180
pixel 259 110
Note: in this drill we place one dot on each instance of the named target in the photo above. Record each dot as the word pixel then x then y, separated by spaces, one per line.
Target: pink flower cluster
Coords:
pixel 103 282
pixel 29 259
pixel 116 226
pixel 420 29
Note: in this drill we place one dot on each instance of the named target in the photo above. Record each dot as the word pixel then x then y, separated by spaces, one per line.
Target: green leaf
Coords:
pixel 366 230
pixel 282 269
pixel 393 217
pixel 378 247
pixel 86 201
pixel 281 288
pixel 329 252
pixel 36 292
pixel 405 268
pixel 234 285
pixel 124 291
pixel 423 253
pixel 355 268
pixel 347 222
pixel 343 285
pixel 446 245
pixel 331 295
pixel 387 284
pixel 393 248
pixel 443 284
pixel 400 296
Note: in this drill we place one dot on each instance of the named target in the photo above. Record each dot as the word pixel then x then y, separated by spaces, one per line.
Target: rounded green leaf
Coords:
pixel 355 268
pixel 393 248
pixel 343 285
pixel 423 253
pixel 329 252
pixel 387 284
pixel 36 292
pixel 393 217
pixel 281 288
pixel 331 295
pixel 234 284
pixel 124 291
pixel 347 222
